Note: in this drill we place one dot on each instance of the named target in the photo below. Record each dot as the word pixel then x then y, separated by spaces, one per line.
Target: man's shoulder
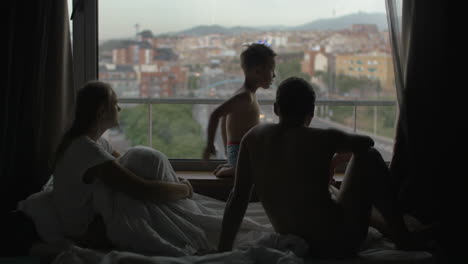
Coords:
pixel 324 131
pixel 261 129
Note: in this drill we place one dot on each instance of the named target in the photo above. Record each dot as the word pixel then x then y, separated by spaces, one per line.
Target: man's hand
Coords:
pixel 220 167
pixel 226 172
pixel 209 150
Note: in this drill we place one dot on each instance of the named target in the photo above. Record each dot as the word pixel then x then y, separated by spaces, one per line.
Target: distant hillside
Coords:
pixel 214 29
pixel 380 19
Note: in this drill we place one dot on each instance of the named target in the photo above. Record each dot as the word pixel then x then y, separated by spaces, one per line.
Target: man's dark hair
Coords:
pixel 295 98
pixel 256 54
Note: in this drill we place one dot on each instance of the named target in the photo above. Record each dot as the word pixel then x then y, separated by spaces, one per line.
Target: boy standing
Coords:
pixel 241 112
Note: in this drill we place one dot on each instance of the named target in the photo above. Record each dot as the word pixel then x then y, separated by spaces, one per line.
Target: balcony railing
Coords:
pixel 353 103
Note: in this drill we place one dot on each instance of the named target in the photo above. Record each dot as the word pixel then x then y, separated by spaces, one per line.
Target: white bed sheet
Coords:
pixel 380 252
pixel 264 247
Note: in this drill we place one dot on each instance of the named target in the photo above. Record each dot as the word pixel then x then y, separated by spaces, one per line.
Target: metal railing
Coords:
pixel 152 101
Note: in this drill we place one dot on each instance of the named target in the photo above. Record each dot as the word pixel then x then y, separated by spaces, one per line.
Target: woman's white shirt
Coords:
pixel 73 197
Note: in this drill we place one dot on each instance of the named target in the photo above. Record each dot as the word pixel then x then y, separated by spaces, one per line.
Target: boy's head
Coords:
pixel 258 61
pixel 295 101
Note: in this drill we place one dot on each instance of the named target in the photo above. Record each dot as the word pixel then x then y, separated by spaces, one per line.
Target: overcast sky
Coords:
pixel 117 18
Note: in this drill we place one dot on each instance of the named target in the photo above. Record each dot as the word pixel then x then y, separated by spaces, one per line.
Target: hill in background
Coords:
pixel 379 19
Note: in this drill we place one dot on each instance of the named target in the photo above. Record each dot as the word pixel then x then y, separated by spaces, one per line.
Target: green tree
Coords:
pixel 175 132
pixel 193 82
pixel 345 83
pixel 324 76
pixel 290 68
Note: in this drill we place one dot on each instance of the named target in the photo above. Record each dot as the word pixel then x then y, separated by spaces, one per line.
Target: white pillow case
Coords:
pixel 40 207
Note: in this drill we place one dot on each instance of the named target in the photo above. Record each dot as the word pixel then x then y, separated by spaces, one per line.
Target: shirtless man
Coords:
pixel 241 112
pixel 289 165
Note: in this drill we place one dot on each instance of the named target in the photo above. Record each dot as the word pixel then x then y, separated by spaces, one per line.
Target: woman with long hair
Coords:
pixel 83 157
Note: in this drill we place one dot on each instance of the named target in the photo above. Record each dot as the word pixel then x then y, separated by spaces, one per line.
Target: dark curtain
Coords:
pixel 425 160
pixel 417 52
pixel 37 95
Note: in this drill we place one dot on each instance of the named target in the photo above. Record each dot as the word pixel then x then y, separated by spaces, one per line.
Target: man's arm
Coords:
pixel 221 111
pixel 238 200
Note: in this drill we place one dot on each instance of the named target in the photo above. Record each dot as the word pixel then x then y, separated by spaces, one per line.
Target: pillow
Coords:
pixel 40 207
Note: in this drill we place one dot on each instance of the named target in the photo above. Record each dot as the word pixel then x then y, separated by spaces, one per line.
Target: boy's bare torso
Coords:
pixel 245 116
pixel 290 171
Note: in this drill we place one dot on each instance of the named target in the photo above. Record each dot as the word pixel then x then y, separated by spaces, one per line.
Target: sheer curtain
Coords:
pixel 37 97
pixel 394 17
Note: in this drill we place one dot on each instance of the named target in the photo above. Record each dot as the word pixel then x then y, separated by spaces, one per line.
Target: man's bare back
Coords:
pixel 291 178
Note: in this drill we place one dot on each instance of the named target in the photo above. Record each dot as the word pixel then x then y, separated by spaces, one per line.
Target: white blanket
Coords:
pixel 272 248
pixel 171 229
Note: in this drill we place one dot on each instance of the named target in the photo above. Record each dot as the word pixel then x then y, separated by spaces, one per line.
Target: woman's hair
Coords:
pixel 295 98
pixel 90 97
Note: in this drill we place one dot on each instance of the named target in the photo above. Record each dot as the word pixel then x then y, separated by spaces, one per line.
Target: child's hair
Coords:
pixel 295 98
pixel 90 97
pixel 256 54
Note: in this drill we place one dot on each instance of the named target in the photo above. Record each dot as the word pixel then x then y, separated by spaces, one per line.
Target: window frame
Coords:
pixel 85 68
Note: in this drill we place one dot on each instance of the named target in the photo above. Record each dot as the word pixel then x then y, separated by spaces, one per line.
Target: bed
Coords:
pixel 258 246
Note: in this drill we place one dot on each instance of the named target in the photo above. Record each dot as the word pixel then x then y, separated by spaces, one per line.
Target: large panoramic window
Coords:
pixel 172 62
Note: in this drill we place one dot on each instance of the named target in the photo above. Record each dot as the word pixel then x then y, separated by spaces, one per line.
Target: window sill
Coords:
pixel 205 183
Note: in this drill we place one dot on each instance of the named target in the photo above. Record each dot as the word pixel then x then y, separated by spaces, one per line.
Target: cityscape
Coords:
pixel 352 63
pixel 178 65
